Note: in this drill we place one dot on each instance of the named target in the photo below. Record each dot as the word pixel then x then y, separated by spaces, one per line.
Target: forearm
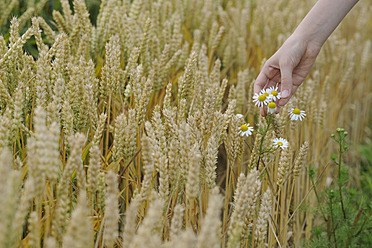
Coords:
pixel 323 19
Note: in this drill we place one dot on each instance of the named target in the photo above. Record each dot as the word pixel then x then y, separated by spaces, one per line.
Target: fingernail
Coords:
pixel 285 93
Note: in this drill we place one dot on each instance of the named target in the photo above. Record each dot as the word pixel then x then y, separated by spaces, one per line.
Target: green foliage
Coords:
pixel 345 212
pixel 366 170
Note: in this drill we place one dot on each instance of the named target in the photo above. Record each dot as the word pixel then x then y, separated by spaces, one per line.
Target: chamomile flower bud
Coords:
pixel 340 129
pixel 296 114
pixel 280 142
pixel 273 93
pixel 246 130
pixel 260 100
pixel 271 107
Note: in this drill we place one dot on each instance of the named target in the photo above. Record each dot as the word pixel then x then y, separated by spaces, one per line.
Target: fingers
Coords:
pixel 270 76
pixel 260 83
pixel 273 82
pixel 268 72
pixel 286 80
pixel 262 112
pixel 284 101
pixel 277 109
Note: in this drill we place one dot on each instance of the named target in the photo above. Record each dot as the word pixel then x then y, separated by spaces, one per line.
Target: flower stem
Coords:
pixel 339 176
pixel 268 122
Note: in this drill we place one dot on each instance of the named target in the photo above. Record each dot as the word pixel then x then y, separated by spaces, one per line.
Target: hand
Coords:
pixel 287 68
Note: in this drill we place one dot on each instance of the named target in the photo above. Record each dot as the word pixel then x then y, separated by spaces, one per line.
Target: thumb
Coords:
pixel 286 80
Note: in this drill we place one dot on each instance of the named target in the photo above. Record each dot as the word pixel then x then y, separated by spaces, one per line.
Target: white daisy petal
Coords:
pixel 245 130
pixel 296 114
pixel 274 94
pixel 271 108
pixel 265 93
pixel 280 142
pixel 260 100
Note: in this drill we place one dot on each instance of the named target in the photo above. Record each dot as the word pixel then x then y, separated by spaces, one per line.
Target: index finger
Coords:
pixel 266 74
pixel 260 82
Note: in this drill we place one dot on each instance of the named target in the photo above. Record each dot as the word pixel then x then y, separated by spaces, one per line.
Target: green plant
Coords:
pixel 365 177
pixel 344 211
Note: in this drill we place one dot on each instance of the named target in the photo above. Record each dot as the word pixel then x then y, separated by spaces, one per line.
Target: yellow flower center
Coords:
pixel 280 143
pixel 266 94
pixel 272 105
pixel 244 128
pixel 296 111
pixel 262 98
pixel 274 93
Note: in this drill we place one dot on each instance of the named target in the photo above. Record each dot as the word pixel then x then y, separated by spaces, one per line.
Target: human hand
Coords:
pixel 287 68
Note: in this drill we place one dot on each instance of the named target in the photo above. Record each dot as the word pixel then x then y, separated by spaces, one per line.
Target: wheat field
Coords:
pixel 128 132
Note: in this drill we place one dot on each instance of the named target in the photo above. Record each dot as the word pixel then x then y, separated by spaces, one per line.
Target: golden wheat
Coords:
pixel 126 133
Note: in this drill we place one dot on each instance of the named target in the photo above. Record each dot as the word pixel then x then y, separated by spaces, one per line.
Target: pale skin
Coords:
pixel 290 65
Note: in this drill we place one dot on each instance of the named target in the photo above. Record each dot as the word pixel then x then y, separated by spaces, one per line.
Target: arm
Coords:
pixel 323 19
pixel 290 65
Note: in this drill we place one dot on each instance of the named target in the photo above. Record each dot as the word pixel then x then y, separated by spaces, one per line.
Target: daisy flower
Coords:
pixel 260 100
pixel 265 93
pixel 273 93
pixel 239 116
pixel 271 107
pixel 296 114
pixel 246 130
pixel 280 142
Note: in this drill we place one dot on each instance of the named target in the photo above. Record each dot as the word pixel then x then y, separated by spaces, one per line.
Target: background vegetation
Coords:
pixel 119 127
